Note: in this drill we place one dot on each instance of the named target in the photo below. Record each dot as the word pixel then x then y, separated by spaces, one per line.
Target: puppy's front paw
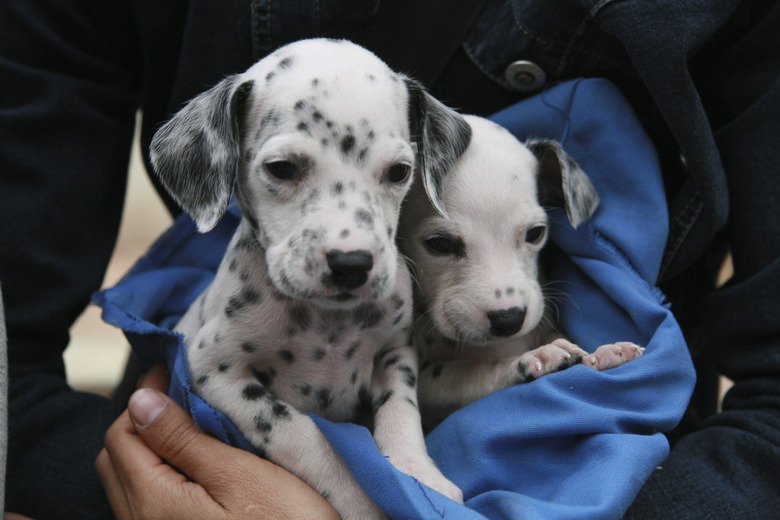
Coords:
pixel 613 355
pixel 554 357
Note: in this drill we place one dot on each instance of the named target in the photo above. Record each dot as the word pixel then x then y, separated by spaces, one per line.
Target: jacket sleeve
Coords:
pixel 69 92
pixel 728 468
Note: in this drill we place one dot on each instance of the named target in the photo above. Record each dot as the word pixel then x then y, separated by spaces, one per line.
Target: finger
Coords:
pixel 112 485
pixel 153 488
pixel 172 434
pixel 229 475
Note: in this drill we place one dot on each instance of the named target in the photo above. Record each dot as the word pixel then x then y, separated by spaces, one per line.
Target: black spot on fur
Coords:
pixel 305 389
pixel 323 398
pixel 248 347
pixel 367 315
pixel 287 356
pixel 262 424
pixel 223 367
pixel 247 296
pixel 363 216
pixel 568 362
pixel 299 105
pixel 318 354
pixel 350 352
pixel 253 392
pixel 525 374
pixel 337 189
pixel 347 144
pixel 383 399
pixel 281 411
pixel 248 244
pixel 354 377
pixel 286 63
pixel 392 360
pixel 202 379
pixel 410 378
pixel 437 370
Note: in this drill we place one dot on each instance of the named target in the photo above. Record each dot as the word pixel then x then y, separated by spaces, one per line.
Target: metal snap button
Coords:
pixel 525 76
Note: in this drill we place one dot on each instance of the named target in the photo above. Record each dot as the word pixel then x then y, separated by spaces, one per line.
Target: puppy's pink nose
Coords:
pixel 349 270
pixel 506 322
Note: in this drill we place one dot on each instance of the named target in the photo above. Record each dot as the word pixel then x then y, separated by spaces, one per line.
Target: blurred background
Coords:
pixel 97 352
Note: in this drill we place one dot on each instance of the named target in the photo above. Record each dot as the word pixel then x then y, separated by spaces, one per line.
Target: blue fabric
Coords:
pixel 576 444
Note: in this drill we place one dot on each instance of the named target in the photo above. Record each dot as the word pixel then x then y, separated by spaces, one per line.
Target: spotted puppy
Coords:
pixel 310 309
pixel 474 236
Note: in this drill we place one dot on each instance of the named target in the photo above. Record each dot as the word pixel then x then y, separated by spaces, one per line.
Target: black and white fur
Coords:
pixel 474 236
pixel 311 307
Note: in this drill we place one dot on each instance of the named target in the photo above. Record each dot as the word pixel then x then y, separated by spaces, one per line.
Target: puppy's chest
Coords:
pixel 319 360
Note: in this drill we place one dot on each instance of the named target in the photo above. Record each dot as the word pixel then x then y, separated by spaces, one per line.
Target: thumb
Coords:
pixel 171 433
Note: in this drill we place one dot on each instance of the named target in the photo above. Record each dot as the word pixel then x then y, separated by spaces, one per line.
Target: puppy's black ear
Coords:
pixel 196 154
pixel 563 183
pixel 441 136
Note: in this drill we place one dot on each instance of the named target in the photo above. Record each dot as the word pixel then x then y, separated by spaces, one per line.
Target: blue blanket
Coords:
pixel 577 444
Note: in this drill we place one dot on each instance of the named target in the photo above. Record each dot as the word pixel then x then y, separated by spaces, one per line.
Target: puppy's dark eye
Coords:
pixel 398 173
pixel 284 170
pixel 440 244
pixel 536 234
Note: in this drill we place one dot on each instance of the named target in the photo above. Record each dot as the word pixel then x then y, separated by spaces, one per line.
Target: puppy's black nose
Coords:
pixel 349 270
pixel 506 322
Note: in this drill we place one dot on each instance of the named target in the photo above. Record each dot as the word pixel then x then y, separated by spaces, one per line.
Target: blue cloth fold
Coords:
pixel 577 444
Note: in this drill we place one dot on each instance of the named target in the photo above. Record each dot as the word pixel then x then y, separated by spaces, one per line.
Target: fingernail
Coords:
pixel 145 405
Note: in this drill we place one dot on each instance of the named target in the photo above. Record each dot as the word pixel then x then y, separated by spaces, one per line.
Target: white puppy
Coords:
pixel 474 236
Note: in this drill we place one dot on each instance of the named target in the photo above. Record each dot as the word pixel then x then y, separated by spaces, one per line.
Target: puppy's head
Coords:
pixel 319 142
pixel 474 234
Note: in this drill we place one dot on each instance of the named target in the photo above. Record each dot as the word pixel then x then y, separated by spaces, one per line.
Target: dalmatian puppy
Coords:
pixel 311 307
pixel 474 236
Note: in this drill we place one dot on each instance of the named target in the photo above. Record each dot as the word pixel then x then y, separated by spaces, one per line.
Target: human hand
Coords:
pixel 157 464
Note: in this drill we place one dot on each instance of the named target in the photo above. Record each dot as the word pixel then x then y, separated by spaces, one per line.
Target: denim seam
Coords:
pixel 577 36
pixel 524 30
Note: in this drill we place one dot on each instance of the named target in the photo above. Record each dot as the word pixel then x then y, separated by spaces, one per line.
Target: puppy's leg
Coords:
pixel 613 355
pixel 448 386
pixel 397 424
pixel 289 438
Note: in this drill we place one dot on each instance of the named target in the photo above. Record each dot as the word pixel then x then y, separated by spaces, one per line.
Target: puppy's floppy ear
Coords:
pixel 441 135
pixel 563 183
pixel 196 154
